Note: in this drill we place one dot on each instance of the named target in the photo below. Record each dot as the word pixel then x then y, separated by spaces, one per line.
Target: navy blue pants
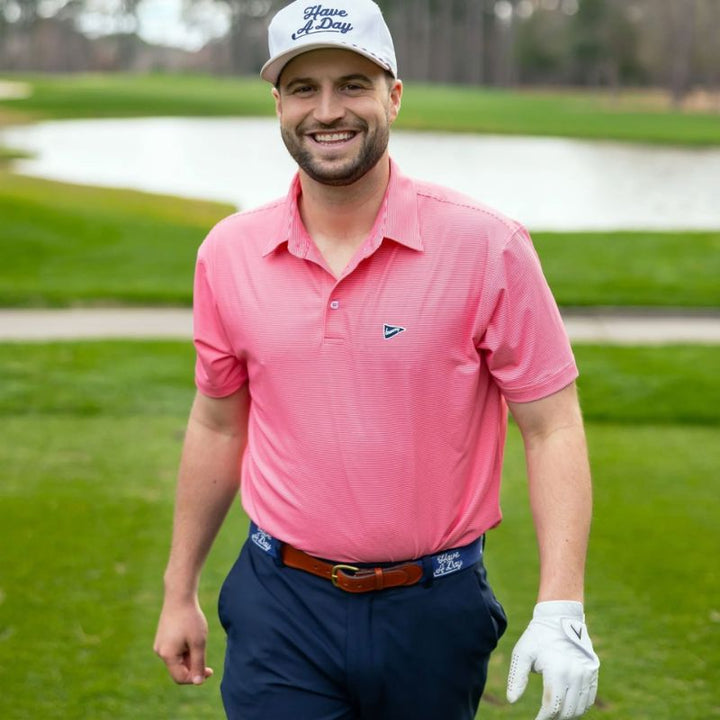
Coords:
pixel 299 648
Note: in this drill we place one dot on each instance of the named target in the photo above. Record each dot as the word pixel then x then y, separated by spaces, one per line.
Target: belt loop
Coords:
pixel 379 579
pixel 277 555
pixel 428 571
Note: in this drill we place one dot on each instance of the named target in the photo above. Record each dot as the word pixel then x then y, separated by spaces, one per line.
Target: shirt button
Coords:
pixel 335 304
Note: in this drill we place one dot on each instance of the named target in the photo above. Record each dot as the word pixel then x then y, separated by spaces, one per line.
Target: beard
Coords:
pixel 334 172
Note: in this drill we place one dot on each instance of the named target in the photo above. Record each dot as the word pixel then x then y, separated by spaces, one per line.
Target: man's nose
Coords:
pixel 329 107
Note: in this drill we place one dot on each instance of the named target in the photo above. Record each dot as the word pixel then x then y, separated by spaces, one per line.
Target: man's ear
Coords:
pixel 278 101
pixel 396 91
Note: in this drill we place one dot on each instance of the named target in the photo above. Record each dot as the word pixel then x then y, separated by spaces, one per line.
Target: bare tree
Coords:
pixel 443 50
pixel 411 24
pixel 708 48
pixel 473 42
pixel 504 29
pixel 247 34
pixel 682 36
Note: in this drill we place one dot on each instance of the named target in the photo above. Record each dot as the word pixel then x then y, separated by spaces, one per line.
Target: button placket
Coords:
pixel 334 317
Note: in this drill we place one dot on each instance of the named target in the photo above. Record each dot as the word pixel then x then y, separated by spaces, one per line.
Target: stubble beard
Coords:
pixel 354 168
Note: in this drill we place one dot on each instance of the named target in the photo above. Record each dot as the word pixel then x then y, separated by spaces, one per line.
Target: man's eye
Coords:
pixel 302 90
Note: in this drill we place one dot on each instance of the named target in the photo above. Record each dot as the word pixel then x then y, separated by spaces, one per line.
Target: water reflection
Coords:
pixel 546 183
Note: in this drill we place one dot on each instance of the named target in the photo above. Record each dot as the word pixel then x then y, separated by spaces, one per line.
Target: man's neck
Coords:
pixel 339 219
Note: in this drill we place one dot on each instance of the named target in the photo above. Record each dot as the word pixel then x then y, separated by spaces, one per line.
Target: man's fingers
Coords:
pixel 563 698
pixel 174 659
pixel 178 668
pixel 180 642
pixel 574 702
pixel 187 666
pixel 583 701
pixel 554 691
pixel 181 672
pixel 197 663
pixel 593 692
pixel 520 666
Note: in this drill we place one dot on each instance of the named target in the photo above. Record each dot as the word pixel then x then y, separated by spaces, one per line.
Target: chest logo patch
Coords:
pixel 390 331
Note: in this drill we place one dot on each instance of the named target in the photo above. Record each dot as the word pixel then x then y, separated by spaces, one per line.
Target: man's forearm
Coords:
pixel 556 643
pixel 208 482
pixel 560 490
pixel 561 502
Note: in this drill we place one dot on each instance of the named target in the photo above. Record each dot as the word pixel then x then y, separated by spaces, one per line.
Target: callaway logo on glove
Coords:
pixel 556 644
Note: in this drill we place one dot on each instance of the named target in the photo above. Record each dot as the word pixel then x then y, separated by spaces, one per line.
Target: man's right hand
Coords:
pixel 208 483
pixel 180 642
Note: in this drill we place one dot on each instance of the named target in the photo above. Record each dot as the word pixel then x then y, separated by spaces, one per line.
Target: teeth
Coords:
pixel 333 137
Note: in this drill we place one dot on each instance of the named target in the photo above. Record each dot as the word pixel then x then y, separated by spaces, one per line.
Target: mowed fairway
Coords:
pixel 89 448
pixel 629 115
pixel 69 244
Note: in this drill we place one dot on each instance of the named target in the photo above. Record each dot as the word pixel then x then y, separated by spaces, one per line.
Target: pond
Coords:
pixel 545 183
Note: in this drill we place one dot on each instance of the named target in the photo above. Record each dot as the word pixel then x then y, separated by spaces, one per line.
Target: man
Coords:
pixel 358 344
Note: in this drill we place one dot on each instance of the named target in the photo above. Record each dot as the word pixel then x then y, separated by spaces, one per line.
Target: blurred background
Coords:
pixel 129 127
pixel 671 44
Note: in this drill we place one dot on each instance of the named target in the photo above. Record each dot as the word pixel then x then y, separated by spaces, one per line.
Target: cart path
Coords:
pixel 620 326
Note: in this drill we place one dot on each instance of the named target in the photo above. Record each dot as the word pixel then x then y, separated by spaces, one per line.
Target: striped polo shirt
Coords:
pixel 378 416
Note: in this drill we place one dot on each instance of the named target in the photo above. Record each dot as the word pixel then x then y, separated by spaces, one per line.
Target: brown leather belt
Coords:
pixel 364 579
pixel 354 579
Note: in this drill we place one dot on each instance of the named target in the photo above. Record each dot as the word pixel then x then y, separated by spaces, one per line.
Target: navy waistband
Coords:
pixel 438 565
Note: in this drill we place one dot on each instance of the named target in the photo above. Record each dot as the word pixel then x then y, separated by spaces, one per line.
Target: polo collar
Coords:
pixel 399 224
pixel 402 223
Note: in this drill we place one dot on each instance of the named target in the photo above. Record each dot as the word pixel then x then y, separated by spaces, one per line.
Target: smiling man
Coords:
pixel 358 345
pixel 344 138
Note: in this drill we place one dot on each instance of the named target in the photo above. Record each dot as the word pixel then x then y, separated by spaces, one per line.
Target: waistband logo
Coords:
pixel 262 540
pixel 319 18
pixel 447 563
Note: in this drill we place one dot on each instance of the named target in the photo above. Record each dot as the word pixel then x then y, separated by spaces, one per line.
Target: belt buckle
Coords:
pixel 337 568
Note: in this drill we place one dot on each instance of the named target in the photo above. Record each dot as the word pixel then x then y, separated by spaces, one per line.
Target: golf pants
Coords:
pixel 299 648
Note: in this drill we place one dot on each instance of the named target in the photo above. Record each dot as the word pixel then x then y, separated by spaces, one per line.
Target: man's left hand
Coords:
pixel 556 644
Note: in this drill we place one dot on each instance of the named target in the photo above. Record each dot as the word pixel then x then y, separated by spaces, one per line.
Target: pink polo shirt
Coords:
pixel 377 419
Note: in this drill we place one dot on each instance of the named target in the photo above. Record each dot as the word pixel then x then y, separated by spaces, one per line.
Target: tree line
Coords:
pixel 593 43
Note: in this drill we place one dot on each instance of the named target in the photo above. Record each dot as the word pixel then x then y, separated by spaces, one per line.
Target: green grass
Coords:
pixel 575 113
pixel 66 244
pixel 90 442
pixel 632 268
pixel 71 245
pixel 9 154
pixel 676 384
pixel 631 116
pixel 671 385
pixel 653 591
pixel 120 95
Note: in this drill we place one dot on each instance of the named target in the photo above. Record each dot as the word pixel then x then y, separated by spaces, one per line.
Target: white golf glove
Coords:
pixel 557 645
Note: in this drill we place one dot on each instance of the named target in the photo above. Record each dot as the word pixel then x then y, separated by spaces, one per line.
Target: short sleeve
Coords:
pixel 524 344
pixel 218 369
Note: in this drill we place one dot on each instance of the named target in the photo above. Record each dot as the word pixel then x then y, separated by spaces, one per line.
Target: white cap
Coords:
pixel 356 25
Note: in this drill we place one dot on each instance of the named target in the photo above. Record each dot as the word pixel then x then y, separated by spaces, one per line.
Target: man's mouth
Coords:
pixel 332 138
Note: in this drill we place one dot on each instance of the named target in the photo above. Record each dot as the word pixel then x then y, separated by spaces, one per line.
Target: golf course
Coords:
pixel 92 430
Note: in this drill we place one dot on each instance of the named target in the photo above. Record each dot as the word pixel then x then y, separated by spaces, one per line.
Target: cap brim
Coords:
pixel 272 68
